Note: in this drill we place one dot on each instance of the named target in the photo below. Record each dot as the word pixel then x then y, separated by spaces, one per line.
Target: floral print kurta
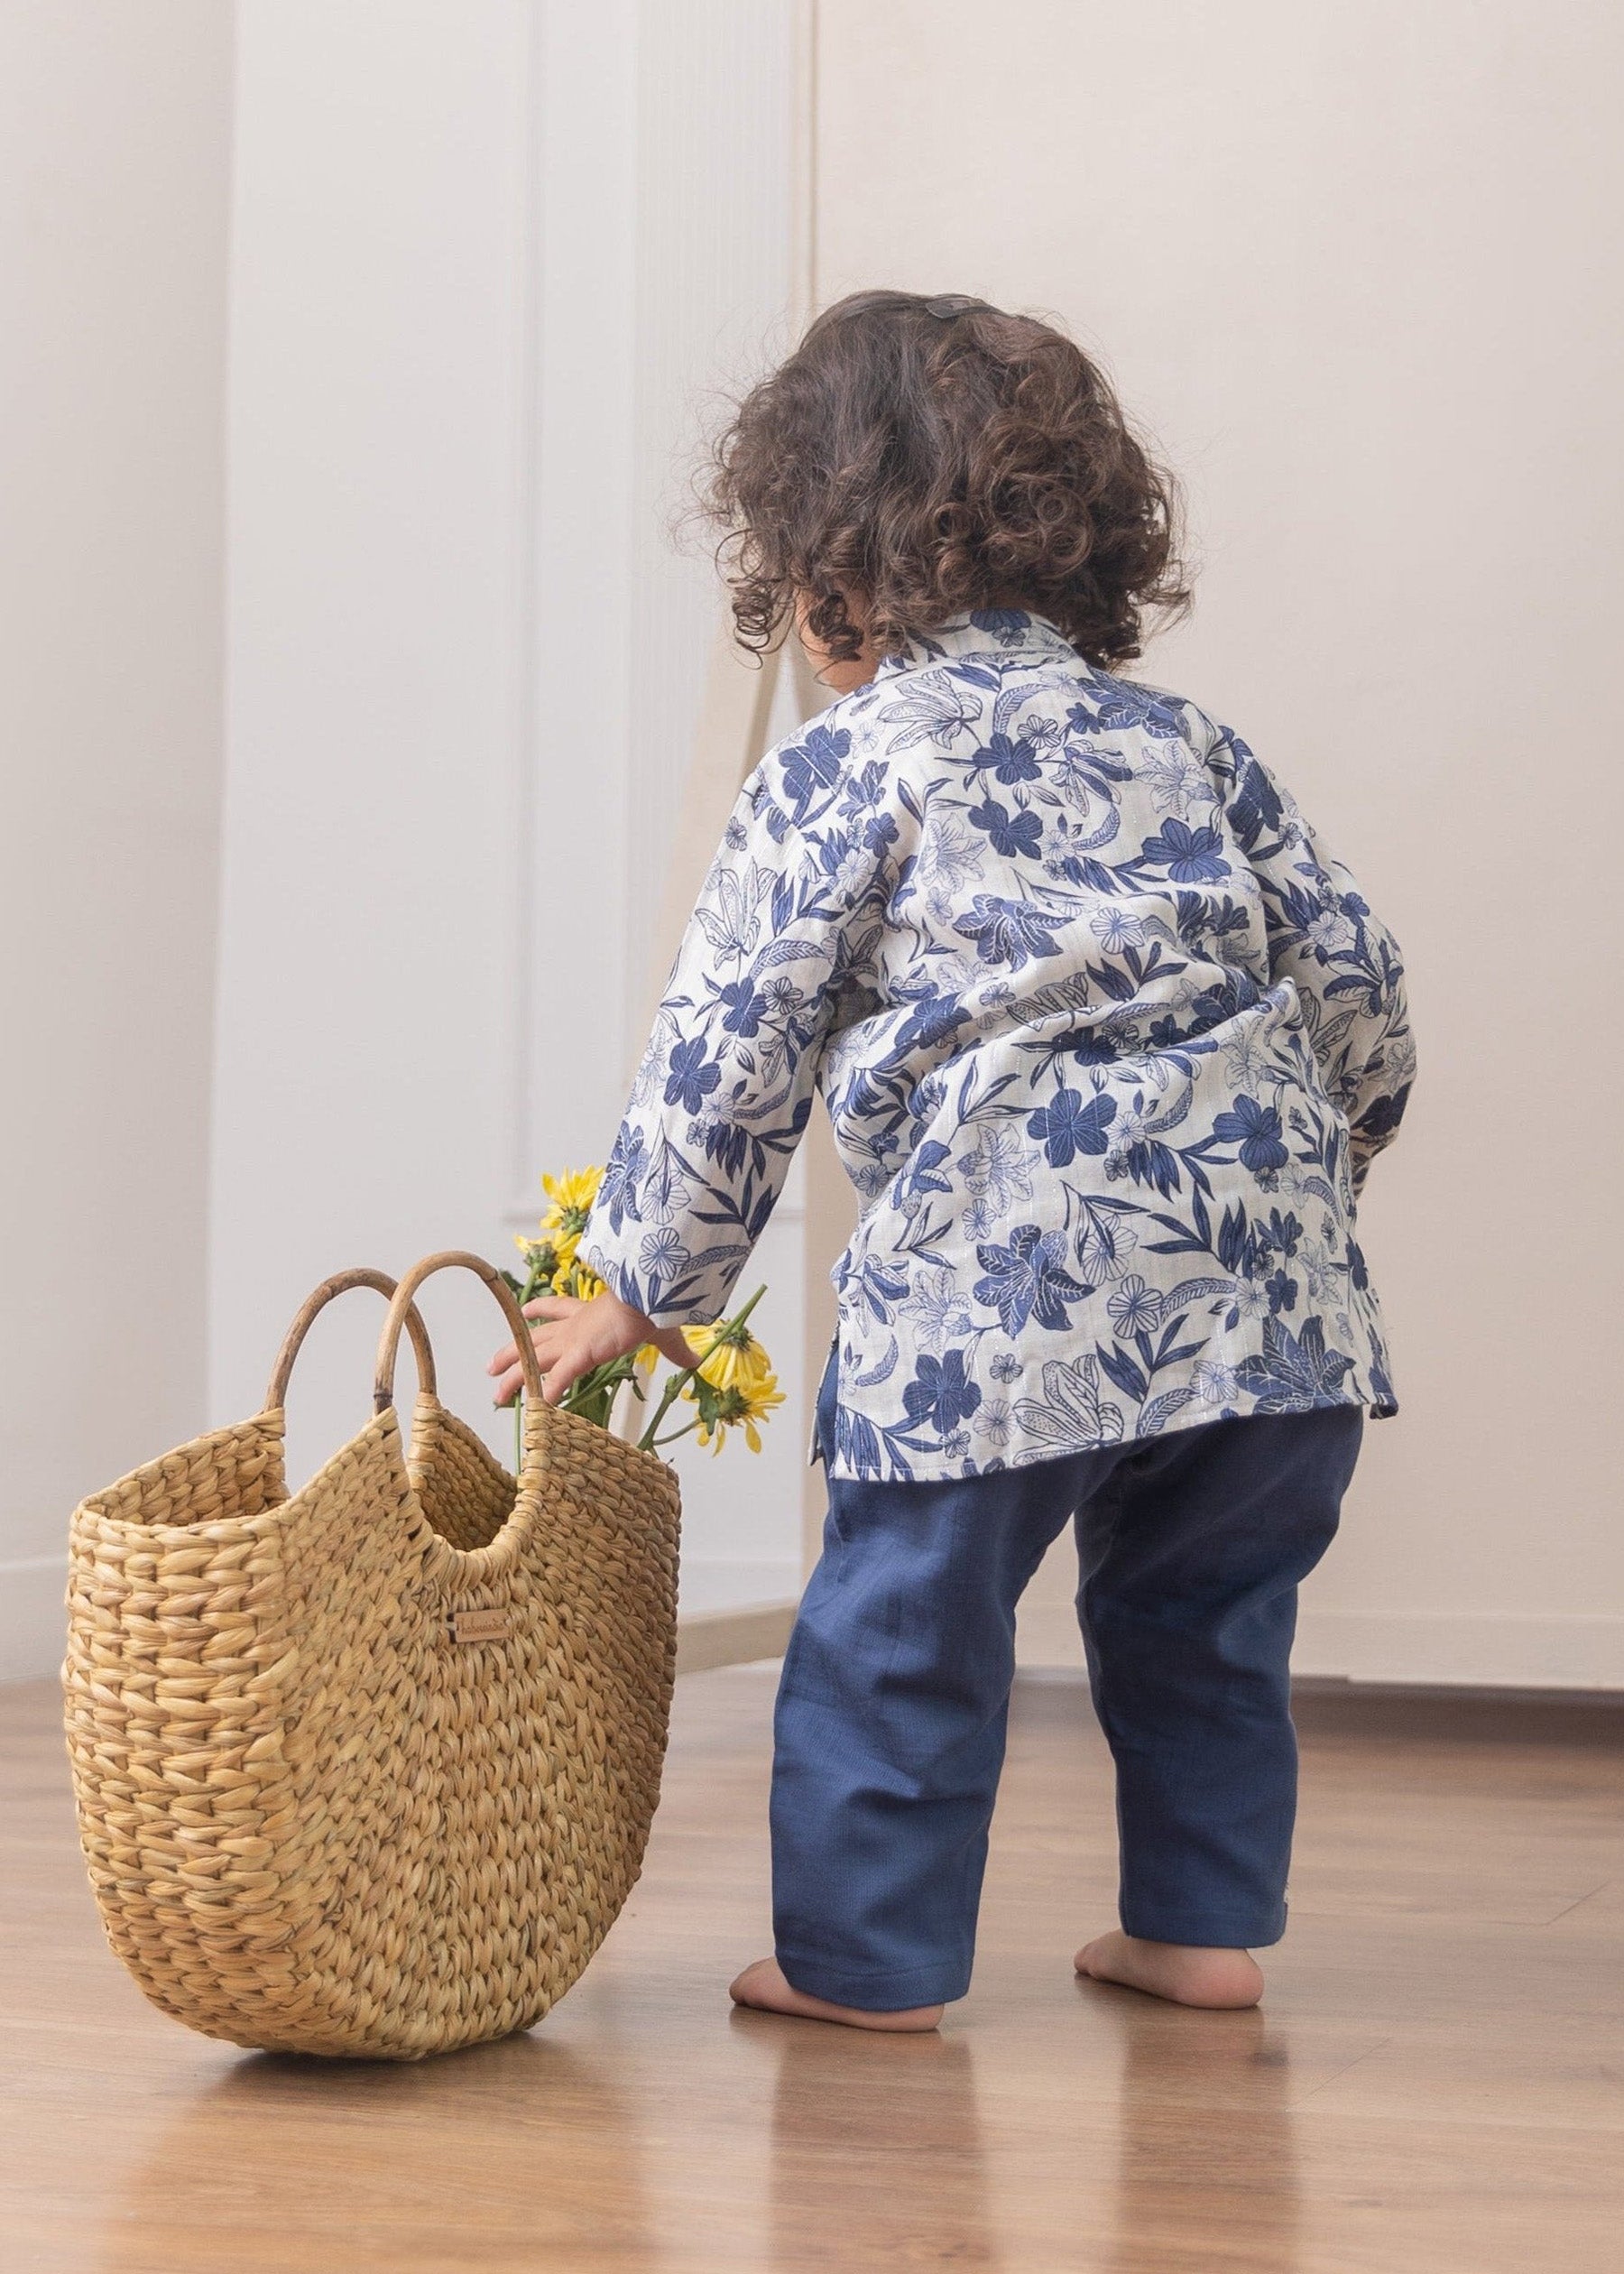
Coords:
pixel 1108 1041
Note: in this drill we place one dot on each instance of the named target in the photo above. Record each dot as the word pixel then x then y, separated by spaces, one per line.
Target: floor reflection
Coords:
pixel 1207 2156
pixel 1123 2136
pixel 877 2152
pixel 520 2154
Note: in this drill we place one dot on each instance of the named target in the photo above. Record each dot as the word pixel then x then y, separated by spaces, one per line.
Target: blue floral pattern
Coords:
pixel 1108 1041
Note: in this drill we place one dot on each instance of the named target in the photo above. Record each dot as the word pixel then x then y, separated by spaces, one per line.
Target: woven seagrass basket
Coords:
pixel 369 1769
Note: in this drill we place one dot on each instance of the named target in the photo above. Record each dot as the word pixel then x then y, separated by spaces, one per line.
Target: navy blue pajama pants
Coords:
pixel 891 1711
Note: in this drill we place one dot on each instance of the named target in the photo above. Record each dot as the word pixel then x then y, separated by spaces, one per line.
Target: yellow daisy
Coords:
pixel 576 1188
pixel 570 1198
pixel 738 1408
pixel 732 1357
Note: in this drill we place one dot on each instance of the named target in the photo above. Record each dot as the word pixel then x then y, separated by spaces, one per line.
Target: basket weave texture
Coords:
pixel 316 1818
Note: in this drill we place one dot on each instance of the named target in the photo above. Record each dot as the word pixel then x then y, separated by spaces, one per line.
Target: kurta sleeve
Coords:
pixel 723 1091
pixel 1325 938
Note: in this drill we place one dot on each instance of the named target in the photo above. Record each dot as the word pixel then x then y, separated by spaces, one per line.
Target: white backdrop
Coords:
pixel 1348 263
pixel 487 260
pixel 115 150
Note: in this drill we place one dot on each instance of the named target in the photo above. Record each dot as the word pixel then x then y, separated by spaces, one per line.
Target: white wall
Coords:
pixel 362 1093
pixel 1349 264
pixel 485 259
pixel 663 145
pixel 114 157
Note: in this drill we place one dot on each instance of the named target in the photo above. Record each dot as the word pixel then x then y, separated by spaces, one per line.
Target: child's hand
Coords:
pixel 578 1337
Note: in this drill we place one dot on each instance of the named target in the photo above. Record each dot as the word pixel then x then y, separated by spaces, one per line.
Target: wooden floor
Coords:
pixel 1435 2083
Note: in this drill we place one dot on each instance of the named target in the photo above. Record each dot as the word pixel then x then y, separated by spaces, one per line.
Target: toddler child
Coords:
pixel 1108 1041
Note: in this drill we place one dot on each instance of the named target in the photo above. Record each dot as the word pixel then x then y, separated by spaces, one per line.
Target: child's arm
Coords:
pixel 1323 935
pixel 725 1089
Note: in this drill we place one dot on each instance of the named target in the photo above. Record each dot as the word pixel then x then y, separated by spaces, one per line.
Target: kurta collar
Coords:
pixel 1007 634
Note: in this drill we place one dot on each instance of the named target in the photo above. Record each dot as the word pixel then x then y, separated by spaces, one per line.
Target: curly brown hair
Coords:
pixel 922 457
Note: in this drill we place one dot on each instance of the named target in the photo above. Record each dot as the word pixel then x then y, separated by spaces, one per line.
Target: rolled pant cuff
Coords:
pixel 874 1992
pixel 1205 1930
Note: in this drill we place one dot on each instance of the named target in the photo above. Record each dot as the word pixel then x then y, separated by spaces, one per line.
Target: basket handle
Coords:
pixel 340 1284
pixel 401 1313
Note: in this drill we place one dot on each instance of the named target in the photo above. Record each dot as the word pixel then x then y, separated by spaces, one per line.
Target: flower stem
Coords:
pixel 673 1389
pixel 687 1429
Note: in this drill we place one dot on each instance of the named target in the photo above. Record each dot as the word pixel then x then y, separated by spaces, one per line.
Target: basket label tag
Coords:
pixel 491 1624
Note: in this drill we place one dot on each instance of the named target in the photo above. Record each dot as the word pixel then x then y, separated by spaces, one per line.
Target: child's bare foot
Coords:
pixel 1183 1972
pixel 764 1987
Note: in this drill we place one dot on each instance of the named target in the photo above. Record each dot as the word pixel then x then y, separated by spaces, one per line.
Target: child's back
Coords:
pixel 1106 1042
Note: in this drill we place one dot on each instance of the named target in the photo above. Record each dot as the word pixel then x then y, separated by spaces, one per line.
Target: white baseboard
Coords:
pixel 1489 1649
pixel 1475 1649
pixel 32 1620
pixel 1047 1640
pixel 738 1637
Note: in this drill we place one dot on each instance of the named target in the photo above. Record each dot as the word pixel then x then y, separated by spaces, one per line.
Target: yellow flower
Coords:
pixel 571 1196
pixel 732 1357
pixel 739 1406
pixel 577 1280
pixel 648 1358
pixel 570 1203
pixel 576 1188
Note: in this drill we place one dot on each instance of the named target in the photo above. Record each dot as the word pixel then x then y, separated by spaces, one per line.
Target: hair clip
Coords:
pixel 947 305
